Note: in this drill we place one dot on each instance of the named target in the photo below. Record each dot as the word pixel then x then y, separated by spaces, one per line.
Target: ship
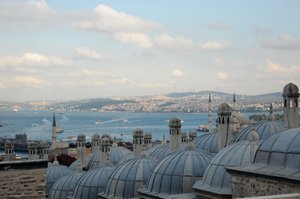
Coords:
pixel 202 128
pixel 59 130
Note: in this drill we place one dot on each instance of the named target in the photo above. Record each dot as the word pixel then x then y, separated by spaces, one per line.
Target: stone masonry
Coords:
pixel 24 183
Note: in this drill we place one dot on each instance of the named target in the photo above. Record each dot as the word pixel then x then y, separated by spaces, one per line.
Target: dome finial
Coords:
pixel 55 161
pixel 271 116
pixel 253 136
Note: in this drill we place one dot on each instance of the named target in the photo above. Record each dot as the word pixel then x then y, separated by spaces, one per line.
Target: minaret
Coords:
pixel 32 151
pixel 43 151
pixel 138 141
pixel 175 133
pixel 81 149
pixel 209 113
pixel 224 126
pixel 53 132
pixel 9 150
pixel 234 115
pixel 291 110
pixel 105 150
pixel 148 141
pixel 95 143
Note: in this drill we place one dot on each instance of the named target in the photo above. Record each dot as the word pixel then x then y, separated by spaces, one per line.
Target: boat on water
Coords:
pixel 125 120
pixel 59 130
pixel 202 128
pixel 98 122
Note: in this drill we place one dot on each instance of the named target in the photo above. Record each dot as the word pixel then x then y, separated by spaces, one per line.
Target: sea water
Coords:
pixel 38 124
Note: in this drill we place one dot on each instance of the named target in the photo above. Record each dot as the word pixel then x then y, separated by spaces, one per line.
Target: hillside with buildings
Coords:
pixel 172 102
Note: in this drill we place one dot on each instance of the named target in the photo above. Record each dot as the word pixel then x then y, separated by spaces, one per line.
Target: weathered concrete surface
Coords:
pixel 25 184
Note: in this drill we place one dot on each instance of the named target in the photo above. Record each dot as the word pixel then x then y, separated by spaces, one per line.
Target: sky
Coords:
pixel 78 49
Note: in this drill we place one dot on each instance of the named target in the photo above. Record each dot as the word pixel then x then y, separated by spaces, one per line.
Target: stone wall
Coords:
pixel 26 183
pixel 247 185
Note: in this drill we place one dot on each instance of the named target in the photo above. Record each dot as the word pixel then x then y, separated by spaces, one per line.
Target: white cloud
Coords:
pixel 212 45
pixel 222 76
pixel 105 18
pixel 138 39
pixel 88 53
pixel 283 42
pixel 177 73
pixel 281 70
pixel 30 59
pixel 173 43
pixel 39 4
pixel 27 80
pixel 87 73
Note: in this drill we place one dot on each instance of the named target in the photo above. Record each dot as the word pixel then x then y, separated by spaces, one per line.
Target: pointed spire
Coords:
pixel 53 120
pixel 209 98
pixel 234 100
pixel 271 116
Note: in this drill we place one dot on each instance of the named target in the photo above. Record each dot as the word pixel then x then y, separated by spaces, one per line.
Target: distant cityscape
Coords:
pixel 173 102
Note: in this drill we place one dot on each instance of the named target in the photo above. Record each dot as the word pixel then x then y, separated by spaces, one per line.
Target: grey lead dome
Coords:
pixel 175 123
pixel 128 177
pixel 177 173
pixel 216 179
pixel 290 90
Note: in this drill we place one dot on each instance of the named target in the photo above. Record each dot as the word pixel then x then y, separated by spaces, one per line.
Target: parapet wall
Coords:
pixel 248 185
pixel 23 179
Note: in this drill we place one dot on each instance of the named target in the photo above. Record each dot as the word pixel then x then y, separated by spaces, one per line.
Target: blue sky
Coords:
pixel 76 49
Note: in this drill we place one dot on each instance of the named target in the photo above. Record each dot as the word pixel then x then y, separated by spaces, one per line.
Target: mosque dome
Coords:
pixel 92 182
pixel 74 165
pixel 175 123
pixel 127 157
pixel 138 133
pixel 281 150
pixel 128 177
pixel 148 136
pixel 32 145
pixel 224 109
pixel 43 145
pixel 81 138
pixel 160 151
pixel 105 135
pixel 265 129
pixel 290 90
pixel 65 186
pixel 216 179
pixel 207 142
pixel 177 173
pixel 96 137
pixel 55 172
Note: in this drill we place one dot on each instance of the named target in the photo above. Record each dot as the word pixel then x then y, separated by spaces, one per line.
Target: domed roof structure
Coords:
pixel 177 173
pixel 279 155
pixel 207 142
pixel 138 133
pixel 159 152
pixel 92 183
pixel 128 177
pixel 290 90
pixel 81 138
pixel 265 129
pixel 216 179
pixel 224 109
pixel 65 186
pixel 96 137
pixel 74 165
pixel 55 172
pixel 175 123
pixel 115 155
pixel 105 135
